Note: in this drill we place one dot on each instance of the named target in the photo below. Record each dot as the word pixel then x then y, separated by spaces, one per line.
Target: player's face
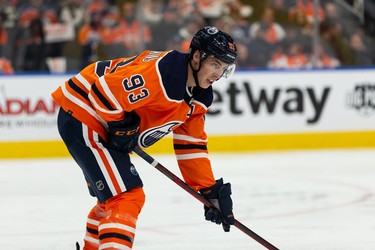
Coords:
pixel 212 70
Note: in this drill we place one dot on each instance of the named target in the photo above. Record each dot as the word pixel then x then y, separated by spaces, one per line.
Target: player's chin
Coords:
pixel 205 84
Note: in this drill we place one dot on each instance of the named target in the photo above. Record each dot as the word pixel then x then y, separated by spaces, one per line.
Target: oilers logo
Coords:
pixel 152 135
pixel 212 30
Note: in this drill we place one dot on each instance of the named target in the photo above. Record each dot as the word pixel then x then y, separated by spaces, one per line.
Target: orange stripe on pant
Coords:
pixel 117 219
pixel 99 148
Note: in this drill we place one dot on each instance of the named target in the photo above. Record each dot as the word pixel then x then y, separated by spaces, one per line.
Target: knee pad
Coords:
pixel 130 202
pixel 121 214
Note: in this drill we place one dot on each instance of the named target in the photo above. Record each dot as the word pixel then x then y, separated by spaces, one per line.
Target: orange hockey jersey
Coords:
pixel 153 85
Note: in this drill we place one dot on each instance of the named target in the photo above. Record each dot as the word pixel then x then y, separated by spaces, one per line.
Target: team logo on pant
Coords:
pixel 133 170
pixel 152 135
pixel 99 185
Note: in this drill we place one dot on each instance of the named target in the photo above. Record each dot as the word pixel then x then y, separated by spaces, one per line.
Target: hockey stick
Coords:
pixel 199 197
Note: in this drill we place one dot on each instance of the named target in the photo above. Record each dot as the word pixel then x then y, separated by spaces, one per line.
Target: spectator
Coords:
pixel 334 42
pixel 306 7
pixel 134 34
pixel 110 34
pixel 280 10
pixel 152 11
pixel 256 7
pixel 8 16
pixel 369 16
pixel 293 33
pixel 293 58
pixel 345 22
pixel 89 38
pixel 185 34
pixel 35 47
pixel 273 32
pixel 225 23
pixel 361 54
pixel 126 26
pixel 9 12
pixel 94 6
pixel 166 28
pixel 211 10
pixel 72 12
pixel 5 67
pixel 3 34
pixel 260 49
pixel 237 20
pixel 323 60
pixel 243 57
pixel 33 9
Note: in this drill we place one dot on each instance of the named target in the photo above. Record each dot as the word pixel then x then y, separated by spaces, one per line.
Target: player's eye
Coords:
pixel 215 65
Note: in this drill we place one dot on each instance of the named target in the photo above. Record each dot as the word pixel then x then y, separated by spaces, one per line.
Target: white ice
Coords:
pixel 303 200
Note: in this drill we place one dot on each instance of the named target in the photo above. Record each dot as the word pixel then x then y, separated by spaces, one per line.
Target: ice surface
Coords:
pixel 303 200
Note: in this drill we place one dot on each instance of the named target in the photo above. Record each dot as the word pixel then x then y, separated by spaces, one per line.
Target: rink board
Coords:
pixel 252 111
pixel 237 143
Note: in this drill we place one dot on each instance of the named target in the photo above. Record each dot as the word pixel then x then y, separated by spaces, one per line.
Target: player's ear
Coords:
pixel 196 56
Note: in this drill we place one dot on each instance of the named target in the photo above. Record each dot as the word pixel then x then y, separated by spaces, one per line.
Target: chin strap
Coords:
pixel 195 72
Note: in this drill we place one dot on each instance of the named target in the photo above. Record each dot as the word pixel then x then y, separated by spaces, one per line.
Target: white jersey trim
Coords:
pixel 113 245
pixel 93 222
pixel 110 95
pixel 82 105
pixel 187 138
pixel 84 82
pixel 117 225
pixel 101 163
pixel 91 239
pixel 191 156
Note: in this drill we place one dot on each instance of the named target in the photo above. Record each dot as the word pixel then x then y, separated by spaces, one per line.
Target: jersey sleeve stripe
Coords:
pixel 191 156
pixel 187 138
pixel 77 89
pixel 109 94
pixel 103 100
pixel 84 82
pixel 123 63
pixel 189 146
pixel 81 104
pixel 99 108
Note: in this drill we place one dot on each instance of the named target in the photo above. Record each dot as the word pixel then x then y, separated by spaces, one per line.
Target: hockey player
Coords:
pixel 112 106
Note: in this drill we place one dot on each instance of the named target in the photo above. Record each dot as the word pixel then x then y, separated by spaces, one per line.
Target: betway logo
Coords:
pixel 16 106
pixel 290 100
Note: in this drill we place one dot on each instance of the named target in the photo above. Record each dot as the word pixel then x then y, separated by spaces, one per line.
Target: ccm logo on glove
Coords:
pixel 127 133
pixel 123 135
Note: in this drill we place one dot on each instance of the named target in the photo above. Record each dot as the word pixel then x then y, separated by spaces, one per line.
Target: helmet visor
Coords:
pixel 229 70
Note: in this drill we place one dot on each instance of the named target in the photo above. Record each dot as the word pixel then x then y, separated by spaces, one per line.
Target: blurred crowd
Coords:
pixel 67 35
